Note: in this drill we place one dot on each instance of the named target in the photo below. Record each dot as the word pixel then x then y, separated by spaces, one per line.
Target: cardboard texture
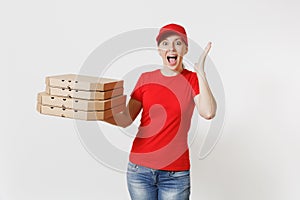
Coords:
pixel 81 97
pixel 80 94
pixel 78 114
pixel 80 104
pixel 82 82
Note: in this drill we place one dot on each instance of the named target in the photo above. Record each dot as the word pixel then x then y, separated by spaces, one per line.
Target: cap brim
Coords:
pixel 164 34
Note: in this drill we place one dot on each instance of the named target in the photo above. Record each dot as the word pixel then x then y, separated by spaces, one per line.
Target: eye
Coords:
pixel 178 42
pixel 164 43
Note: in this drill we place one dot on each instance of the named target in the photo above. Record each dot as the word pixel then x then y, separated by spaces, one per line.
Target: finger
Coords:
pixel 208 47
pixel 204 54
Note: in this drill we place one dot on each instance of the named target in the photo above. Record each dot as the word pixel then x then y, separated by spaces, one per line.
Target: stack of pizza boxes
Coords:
pixel 81 97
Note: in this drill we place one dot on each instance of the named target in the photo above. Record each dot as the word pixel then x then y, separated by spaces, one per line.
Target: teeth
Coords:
pixel 169 57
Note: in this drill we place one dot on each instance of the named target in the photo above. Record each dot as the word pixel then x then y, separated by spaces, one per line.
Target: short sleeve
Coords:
pixel 137 91
pixel 195 84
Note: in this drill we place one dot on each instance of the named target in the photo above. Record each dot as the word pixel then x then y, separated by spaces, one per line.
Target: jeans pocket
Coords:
pixel 179 174
pixel 132 167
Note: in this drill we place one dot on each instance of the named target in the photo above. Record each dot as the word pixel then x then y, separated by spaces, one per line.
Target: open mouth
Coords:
pixel 172 59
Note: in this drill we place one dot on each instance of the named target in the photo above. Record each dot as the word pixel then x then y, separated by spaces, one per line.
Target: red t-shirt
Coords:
pixel 168 105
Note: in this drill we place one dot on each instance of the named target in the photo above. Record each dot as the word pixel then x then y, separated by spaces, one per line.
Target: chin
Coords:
pixel 174 68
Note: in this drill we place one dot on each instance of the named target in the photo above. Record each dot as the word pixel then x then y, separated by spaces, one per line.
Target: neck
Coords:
pixel 171 72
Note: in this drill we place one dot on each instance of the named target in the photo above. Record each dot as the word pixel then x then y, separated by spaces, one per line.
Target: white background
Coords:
pixel 255 50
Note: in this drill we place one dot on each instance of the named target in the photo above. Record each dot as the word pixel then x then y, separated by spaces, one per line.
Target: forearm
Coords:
pixel 127 116
pixel 120 119
pixel 206 102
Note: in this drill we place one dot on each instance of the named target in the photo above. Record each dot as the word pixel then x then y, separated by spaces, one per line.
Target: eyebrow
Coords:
pixel 179 38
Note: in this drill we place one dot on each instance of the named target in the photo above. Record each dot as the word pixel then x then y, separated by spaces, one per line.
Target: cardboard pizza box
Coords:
pixel 78 114
pixel 82 82
pixel 80 104
pixel 83 94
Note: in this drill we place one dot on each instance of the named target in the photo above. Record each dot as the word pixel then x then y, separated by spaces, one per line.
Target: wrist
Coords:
pixel 200 72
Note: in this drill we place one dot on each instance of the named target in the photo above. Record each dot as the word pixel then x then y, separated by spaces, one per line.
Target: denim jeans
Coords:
pixel 150 184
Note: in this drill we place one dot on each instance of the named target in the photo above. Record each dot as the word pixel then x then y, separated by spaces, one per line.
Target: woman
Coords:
pixel 159 165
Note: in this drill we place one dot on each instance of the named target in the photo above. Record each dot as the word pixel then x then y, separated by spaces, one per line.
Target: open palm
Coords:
pixel 199 67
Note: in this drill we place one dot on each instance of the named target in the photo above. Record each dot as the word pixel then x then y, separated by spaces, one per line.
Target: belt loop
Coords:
pixel 152 170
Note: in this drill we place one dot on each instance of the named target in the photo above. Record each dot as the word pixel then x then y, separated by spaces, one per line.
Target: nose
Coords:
pixel 172 46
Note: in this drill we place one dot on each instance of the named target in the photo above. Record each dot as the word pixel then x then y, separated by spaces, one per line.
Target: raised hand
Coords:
pixel 199 66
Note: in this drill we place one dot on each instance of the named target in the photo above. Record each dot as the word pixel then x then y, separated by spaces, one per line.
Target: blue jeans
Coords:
pixel 150 184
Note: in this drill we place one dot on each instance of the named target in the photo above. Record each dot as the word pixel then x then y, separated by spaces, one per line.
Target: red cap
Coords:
pixel 172 28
